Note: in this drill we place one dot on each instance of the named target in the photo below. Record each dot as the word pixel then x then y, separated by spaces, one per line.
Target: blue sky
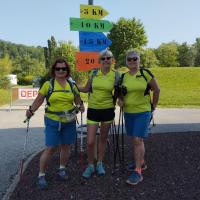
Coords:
pixel 32 22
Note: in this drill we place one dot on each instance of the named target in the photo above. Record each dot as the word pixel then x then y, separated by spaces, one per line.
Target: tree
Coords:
pixel 185 56
pixel 5 69
pixel 197 52
pixel 67 51
pixel 64 50
pixel 148 58
pixel 167 55
pixel 5 65
pixel 126 34
pixel 50 52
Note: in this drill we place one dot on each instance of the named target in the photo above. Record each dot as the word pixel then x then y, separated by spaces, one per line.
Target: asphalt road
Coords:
pixel 13 130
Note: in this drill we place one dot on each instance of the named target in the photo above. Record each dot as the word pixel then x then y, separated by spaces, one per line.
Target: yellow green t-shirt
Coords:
pixel 59 101
pixel 102 89
pixel 134 100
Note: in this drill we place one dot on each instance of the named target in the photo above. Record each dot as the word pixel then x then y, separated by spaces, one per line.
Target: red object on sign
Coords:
pixel 87 61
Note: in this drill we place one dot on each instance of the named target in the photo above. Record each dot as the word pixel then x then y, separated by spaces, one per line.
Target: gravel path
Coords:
pixel 173 173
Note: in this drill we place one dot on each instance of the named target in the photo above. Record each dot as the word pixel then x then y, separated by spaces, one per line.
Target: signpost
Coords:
pixel 87 60
pixel 91 38
pixel 92 12
pixel 93 41
pixel 92 25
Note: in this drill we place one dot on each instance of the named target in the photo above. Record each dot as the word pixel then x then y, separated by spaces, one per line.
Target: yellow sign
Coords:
pixel 92 12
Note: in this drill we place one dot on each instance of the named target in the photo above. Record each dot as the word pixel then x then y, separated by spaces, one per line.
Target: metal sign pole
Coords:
pixel 90 2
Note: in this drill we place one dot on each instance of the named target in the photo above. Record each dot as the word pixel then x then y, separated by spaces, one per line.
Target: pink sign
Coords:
pixel 28 93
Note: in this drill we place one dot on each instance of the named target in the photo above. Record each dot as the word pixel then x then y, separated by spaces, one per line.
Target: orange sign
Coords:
pixel 87 61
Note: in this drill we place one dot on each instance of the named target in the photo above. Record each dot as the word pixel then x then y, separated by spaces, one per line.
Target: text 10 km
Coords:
pixel 95 25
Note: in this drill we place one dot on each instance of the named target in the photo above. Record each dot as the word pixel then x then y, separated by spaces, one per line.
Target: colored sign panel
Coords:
pixel 28 93
pixel 89 41
pixel 87 60
pixel 92 12
pixel 90 25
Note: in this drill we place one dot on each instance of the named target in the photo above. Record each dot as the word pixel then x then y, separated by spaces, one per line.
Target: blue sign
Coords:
pixel 93 41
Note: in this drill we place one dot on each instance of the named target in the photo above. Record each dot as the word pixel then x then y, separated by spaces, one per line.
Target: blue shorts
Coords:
pixel 137 124
pixel 59 133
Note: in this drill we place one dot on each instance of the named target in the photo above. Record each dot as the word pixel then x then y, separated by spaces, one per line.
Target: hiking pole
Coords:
pixel 76 142
pixel 117 139
pixel 25 144
pixel 81 142
pixel 122 137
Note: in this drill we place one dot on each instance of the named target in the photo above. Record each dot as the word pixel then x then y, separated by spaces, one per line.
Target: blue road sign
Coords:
pixel 93 41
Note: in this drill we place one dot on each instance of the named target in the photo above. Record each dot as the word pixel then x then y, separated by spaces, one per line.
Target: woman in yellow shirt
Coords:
pixel 60 124
pixel 100 110
pixel 138 109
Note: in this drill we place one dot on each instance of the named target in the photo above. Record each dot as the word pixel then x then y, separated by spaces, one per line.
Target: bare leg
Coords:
pixel 103 140
pixel 91 135
pixel 64 154
pixel 139 151
pixel 45 158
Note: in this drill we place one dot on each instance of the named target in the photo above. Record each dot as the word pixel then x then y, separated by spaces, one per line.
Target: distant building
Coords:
pixel 13 79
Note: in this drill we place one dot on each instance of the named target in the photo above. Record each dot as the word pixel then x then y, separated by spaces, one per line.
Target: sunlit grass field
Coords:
pixel 180 87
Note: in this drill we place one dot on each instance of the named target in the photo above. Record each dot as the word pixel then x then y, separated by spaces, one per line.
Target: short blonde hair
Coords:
pixel 132 52
pixel 105 52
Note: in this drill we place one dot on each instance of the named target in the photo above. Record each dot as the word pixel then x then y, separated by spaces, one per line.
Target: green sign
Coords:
pixel 90 25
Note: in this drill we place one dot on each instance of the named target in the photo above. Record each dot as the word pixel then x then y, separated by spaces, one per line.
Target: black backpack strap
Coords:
pixel 50 90
pixel 142 69
pixel 120 90
pixel 121 79
pixel 148 88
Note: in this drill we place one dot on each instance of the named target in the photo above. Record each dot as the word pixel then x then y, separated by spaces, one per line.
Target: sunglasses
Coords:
pixel 60 68
pixel 133 58
pixel 105 58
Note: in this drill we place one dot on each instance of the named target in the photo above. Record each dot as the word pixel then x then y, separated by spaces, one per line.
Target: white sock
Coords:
pixel 62 167
pixel 41 174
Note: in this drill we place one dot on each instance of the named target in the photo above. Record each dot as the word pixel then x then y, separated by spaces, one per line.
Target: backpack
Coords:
pixel 142 69
pixel 51 88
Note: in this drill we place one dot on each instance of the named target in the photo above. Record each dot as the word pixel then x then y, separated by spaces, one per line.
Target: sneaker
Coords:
pixel 100 169
pixel 134 178
pixel 131 167
pixel 41 182
pixel 62 175
pixel 89 171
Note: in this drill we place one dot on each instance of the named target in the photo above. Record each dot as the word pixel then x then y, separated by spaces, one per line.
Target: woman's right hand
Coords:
pixel 29 113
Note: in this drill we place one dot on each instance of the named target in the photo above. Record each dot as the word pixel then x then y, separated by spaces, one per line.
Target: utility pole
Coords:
pixel 90 2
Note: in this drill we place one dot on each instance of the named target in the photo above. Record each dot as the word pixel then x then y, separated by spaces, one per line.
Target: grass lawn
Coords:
pixel 180 87
pixel 5 96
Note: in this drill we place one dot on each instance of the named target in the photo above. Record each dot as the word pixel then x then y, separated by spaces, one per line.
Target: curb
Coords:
pixel 16 179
